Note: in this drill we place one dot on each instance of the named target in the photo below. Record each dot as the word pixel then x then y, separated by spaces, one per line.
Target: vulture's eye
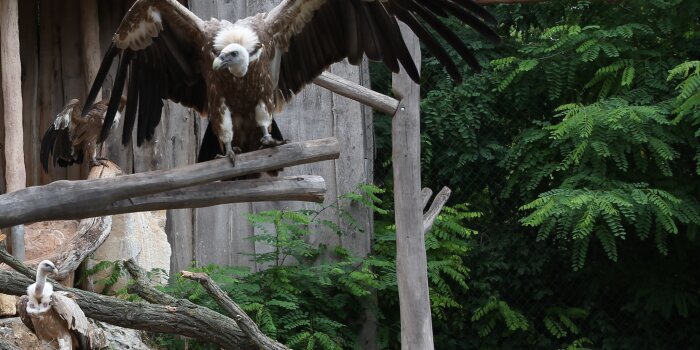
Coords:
pixel 234 54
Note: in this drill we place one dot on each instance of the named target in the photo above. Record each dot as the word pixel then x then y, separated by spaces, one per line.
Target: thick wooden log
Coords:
pixel 10 74
pixel 92 232
pixel 305 188
pixel 180 317
pixel 88 198
pixel 411 260
pixel 357 92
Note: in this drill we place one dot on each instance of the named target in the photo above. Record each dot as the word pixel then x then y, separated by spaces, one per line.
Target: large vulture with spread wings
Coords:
pixel 239 74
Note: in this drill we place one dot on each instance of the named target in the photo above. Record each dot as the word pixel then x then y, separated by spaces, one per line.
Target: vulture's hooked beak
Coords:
pixel 221 63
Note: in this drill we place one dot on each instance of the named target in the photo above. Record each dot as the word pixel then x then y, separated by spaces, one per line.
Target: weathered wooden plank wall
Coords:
pixel 316 113
pixel 54 72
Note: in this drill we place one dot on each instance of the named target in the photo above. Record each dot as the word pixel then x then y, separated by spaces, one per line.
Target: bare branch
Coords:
pixel 425 195
pixel 359 93
pixel 244 321
pixel 178 317
pixel 438 203
pixel 89 198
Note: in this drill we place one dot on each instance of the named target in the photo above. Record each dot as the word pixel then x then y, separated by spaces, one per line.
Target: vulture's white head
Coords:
pixel 46 267
pixel 235 58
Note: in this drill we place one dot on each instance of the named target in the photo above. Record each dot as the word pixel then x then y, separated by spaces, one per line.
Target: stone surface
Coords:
pixel 42 239
pixel 7 305
pixel 140 236
pixel 13 331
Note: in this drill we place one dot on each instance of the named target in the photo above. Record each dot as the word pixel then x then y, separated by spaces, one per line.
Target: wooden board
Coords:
pixel 214 235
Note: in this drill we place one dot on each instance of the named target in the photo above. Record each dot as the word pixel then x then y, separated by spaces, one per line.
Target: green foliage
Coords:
pixel 579 144
pixel 307 295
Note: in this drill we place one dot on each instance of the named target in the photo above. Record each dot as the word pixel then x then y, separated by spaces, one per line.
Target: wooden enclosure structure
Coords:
pixel 59 53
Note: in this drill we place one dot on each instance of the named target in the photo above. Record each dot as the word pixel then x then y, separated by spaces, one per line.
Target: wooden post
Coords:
pixel 411 260
pixel 15 173
pixel 90 27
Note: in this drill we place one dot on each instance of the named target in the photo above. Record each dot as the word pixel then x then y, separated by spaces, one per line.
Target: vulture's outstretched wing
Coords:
pixel 57 140
pixel 317 33
pixel 75 319
pixel 157 44
pixel 22 311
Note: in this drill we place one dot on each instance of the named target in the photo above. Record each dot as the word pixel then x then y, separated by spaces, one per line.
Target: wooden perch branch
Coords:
pixel 438 203
pixel 7 346
pixel 177 317
pixel 98 197
pixel 359 93
pixel 235 311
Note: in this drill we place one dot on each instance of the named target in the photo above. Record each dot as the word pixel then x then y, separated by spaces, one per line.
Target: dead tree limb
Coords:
pixel 244 321
pixel 357 92
pixel 98 197
pixel 177 317
pixel 7 346
pixel 438 203
pixel 425 195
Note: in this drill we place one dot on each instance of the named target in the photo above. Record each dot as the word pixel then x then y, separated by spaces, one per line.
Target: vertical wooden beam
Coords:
pixel 90 26
pixel 29 39
pixel 411 260
pixel 15 174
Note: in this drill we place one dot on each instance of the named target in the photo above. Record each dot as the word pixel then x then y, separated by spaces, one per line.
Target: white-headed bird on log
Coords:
pixel 239 74
pixel 54 317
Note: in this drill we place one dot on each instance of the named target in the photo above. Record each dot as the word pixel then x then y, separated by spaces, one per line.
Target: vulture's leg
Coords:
pixel 94 160
pixel 264 120
pixel 226 133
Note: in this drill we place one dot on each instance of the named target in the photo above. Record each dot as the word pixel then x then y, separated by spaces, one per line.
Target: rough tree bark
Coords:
pixel 15 173
pixel 411 260
pixel 162 313
pixel 242 319
pixel 89 198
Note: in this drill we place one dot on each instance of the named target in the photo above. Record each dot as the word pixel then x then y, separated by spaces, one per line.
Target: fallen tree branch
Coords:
pixel 92 232
pixel 89 198
pixel 357 92
pixel 244 321
pixel 307 188
pixel 438 203
pixel 7 346
pixel 178 317
pixel 425 195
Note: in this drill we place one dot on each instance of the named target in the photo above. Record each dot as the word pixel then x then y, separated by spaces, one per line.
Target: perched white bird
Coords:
pixel 54 317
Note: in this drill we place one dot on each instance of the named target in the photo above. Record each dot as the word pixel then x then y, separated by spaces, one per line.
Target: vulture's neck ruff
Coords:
pixel 40 292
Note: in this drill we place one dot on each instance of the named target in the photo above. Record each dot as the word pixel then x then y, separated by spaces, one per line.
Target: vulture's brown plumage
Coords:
pixel 239 74
pixel 72 137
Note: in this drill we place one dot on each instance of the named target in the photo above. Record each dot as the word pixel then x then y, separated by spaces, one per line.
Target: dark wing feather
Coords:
pixel 57 143
pixel 317 33
pixel 22 311
pixel 161 64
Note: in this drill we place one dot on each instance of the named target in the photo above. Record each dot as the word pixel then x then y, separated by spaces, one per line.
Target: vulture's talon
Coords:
pixel 268 141
pixel 98 162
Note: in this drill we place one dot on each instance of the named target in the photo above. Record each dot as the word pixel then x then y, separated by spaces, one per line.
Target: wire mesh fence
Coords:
pixel 593 307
